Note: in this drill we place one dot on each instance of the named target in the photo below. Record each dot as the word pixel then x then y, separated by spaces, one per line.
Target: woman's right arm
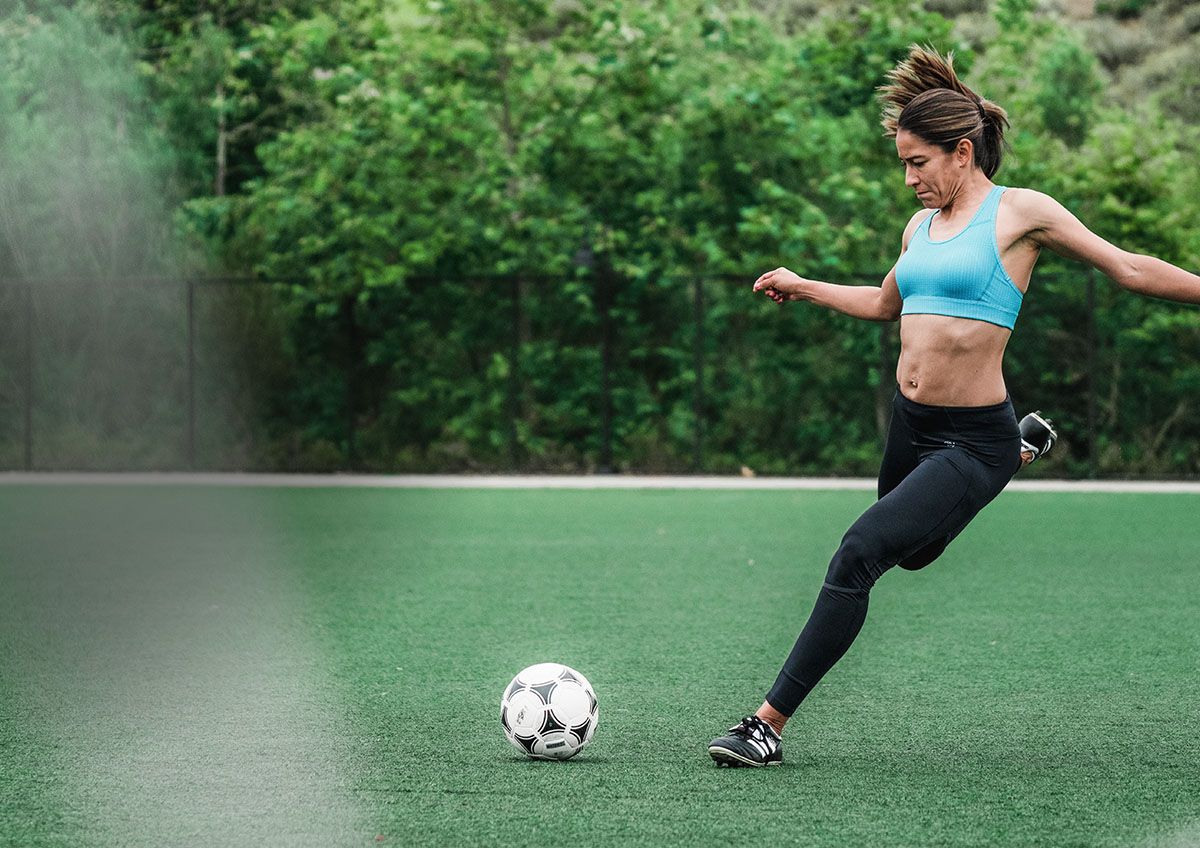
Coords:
pixel 871 303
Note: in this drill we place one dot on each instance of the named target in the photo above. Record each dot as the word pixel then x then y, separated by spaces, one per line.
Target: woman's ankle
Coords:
pixel 773 717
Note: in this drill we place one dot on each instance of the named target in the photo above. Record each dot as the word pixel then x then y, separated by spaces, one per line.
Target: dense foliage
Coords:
pixel 520 234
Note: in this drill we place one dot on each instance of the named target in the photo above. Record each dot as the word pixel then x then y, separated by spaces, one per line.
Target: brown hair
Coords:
pixel 925 97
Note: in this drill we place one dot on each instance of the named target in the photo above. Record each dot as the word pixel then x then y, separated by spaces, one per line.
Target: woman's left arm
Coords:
pixel 1054 227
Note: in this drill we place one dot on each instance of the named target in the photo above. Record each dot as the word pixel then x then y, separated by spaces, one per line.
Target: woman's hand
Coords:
pixel 780 285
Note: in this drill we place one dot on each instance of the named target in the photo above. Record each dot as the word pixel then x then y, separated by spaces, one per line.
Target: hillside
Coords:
pixel 1149 49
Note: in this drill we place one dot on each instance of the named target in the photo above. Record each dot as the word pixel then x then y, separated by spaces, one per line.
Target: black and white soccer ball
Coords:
pixel 549 711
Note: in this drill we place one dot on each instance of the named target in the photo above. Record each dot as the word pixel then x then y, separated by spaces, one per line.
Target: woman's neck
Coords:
pixel 968 198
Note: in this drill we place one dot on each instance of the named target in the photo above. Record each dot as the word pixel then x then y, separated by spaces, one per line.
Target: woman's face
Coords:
pixel 935 175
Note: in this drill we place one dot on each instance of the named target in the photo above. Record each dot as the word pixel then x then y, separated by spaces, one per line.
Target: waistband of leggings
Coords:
pixel 918 408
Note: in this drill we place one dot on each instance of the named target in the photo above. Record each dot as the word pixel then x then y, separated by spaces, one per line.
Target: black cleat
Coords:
pixel 752 742
pixel 1037 434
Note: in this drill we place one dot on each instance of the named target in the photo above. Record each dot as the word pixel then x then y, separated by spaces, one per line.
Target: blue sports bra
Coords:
pixel 961 276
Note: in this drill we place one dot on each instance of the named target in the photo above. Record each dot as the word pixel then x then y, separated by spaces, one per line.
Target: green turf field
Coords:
pixel 214 666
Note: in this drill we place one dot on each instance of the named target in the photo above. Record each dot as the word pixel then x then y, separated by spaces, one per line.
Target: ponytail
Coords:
pixel 925 97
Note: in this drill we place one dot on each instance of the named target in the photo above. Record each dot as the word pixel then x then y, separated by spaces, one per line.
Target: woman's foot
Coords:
pixel 1037 437
pixel 751 742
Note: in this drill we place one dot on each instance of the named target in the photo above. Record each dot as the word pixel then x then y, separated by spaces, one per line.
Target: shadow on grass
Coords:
pixel 579 760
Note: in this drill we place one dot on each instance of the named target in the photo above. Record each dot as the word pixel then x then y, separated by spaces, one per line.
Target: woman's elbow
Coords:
pixel 887 304
pixel 1129 272
pixel 888 311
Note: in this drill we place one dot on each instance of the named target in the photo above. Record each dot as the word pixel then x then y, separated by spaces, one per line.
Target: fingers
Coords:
pixel 765 284
pixel 765 280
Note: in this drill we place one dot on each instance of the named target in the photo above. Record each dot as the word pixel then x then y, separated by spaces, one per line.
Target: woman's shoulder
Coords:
pixel 1026 201
pixel 1027 209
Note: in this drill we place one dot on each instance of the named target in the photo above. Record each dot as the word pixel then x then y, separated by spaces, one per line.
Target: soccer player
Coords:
pixel 954 441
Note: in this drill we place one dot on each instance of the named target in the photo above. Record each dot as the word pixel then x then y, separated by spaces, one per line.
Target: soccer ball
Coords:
pixel 549 711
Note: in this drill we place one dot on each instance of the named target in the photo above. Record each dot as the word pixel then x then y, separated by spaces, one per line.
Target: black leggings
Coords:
pixel 941 465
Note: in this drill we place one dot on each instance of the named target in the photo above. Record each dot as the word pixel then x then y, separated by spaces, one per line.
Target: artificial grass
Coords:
pixel 227 666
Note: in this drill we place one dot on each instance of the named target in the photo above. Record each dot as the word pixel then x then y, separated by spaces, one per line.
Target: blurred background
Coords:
pixel 447 236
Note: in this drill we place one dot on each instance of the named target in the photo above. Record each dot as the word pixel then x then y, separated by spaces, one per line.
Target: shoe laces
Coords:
pixel 753 727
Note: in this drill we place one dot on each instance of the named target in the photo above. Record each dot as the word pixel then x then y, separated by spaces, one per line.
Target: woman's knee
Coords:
pixel 855 564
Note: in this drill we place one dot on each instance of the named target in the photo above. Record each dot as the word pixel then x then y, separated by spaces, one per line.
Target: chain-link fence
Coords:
pixel 597 373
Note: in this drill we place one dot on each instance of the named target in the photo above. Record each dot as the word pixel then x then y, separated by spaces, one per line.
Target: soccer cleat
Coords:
pixel 1037 434
pixel 751 742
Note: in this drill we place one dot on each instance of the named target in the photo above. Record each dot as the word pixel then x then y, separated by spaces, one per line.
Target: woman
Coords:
pixel 954 442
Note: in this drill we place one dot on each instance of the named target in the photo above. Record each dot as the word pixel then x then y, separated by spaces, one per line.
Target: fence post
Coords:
pixel 191 374
pixel 698 367
pixel 28 375
pixel 514 372
pixel 350 376
pixel 604 297
pixel 1093 440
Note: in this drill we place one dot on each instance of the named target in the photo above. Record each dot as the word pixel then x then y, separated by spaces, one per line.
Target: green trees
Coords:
pixel 521 234
pixel 85 205
pixel 83 163
pixel 665 141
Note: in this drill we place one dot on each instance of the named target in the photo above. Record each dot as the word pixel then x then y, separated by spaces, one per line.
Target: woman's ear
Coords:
pixel 964 153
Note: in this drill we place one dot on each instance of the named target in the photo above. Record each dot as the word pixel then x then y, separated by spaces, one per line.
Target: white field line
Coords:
pixel 588 481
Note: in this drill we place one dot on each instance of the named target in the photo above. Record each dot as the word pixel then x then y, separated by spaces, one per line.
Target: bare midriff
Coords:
pixel 946 361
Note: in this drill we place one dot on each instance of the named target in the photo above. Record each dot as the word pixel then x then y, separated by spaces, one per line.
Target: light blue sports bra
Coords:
pixel 961 276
